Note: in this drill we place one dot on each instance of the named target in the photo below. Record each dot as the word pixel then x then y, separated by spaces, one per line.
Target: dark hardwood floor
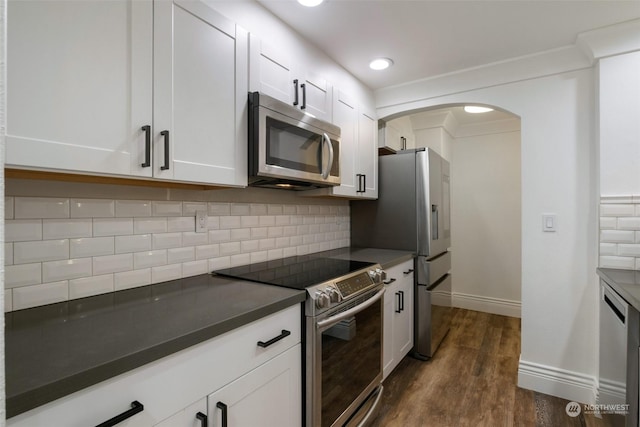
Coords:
pixel 472 381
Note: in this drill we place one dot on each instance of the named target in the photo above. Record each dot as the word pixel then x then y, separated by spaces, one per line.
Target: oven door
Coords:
pixel 345 370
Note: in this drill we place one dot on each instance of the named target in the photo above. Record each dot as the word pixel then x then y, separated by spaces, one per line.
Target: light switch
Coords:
pixel 549 222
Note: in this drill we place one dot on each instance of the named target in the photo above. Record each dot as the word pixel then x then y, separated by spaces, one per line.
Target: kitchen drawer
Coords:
pixel 400 271
pixel 174 382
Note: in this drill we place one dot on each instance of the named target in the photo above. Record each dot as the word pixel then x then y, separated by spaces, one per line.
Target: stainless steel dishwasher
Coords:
pixel 613 346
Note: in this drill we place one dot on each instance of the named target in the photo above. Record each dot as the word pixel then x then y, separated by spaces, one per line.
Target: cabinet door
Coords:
pixel 316 96
pixel 368 152
pixel 188 417
pixel 269 395
pixel 200 95
pixel 345 116
pixel 79 85
pixel 403 321
pixel 271 72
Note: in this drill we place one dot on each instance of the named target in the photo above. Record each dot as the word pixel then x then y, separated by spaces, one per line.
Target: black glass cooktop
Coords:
pixel 298 272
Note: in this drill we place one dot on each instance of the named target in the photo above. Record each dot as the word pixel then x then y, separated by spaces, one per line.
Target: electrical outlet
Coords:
pixel 201 221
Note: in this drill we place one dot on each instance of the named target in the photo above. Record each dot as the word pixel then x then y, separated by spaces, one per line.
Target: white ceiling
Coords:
pixel 427 37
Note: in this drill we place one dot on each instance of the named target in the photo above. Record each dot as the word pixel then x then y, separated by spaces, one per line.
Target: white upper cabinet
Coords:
pixel 358 150
pixel 79 86
pixel 274 73
pixel 200 95
pixel 90 82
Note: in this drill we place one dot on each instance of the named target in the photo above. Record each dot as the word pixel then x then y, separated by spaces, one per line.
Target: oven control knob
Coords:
pixel 334 295
pixel 322 299
pixel 374 276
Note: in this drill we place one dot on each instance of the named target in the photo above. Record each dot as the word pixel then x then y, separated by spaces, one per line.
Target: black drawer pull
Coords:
pixel 401 300
pixel 203 419
pixel 165 134
pixel 409 271
pixel 136 407
pixel 399 305
pixel 223 408
pixel 147 146
pixel 283 335
pixel 390 281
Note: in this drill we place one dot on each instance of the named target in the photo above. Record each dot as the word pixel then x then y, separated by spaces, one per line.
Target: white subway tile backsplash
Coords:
pixel 132 279
pixel 8 253
pixel 8 300
pixel 219 209
pixel 89 286
pixel 167 240
pixel 8 208
pixel 73 248
pixel 149 259
pixel 617 210
pixel 91 246
pixel 166 272
pixel 228 222
pixel 112 263
pixel 48 293
pixel 22 230
pixel 112 226
pixel 190 208
pixel 183 223
pixel 40 207
pixel 632 250
pixel 132 208
pixel 616 199
pixel 194 268
pixel 194 239
pixel 133 243
pixel 40 251
pixel 54 271
pixel 617 236
pixel 92 208
pixel 629 223
pixel 22 275
pixel 66 228
pixel 166 208
pixel 149 225
pixel 627 263
pixel 238 209
pixel 178 255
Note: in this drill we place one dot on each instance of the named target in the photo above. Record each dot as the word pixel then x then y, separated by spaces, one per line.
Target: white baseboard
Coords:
pixel 500 306
pixel 573 386
pixel 611 392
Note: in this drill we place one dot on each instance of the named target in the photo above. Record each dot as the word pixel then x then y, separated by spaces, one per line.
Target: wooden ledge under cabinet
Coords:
pixel 99 179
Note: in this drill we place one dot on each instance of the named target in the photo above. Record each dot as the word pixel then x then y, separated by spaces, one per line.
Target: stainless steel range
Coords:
pixel 343 342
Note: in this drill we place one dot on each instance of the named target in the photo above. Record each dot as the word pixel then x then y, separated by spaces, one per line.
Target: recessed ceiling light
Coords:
pixel 310 3
pixel 380 63
pixel 475 109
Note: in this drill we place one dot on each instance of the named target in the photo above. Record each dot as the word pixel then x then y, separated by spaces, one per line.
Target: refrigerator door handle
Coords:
pixel 434 222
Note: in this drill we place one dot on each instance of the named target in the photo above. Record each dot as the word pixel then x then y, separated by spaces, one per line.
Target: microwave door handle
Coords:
pixel 327 140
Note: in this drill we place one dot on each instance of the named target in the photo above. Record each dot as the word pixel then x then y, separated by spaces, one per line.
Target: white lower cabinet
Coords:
pixel 174 388
pixel 270 395
pixel 398 316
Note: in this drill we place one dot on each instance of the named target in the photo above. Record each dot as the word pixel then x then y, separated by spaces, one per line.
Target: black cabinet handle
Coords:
pixel 203 419
pixel 403 142
pixel 136 407
pixel 295 86
pixel 359 181
pixel 409 271
pixel 401 300
pixel 304 96
pixel 398 310
pixel 390 281
pixel 223 408
pixel 283 335
pixel 364 183
pixel 147 146
pixel 165 133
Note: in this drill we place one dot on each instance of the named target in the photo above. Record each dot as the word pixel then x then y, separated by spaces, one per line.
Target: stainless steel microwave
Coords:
pixel 289 148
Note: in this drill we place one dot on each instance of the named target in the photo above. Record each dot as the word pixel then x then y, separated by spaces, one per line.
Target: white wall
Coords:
pixel 559 175
pixel 485 222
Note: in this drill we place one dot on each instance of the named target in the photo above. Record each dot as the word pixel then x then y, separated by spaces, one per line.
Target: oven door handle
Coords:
pixel 346 314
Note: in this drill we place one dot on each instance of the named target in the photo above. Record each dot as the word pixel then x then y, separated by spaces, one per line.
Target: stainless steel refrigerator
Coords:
pixel 413 213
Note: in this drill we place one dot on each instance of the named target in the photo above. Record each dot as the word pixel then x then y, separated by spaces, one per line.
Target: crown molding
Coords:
pixel 609 41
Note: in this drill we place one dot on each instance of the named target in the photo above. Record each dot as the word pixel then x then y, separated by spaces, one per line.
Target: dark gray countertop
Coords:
pixel 55 350
pixel 624 282
pixel 385 257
